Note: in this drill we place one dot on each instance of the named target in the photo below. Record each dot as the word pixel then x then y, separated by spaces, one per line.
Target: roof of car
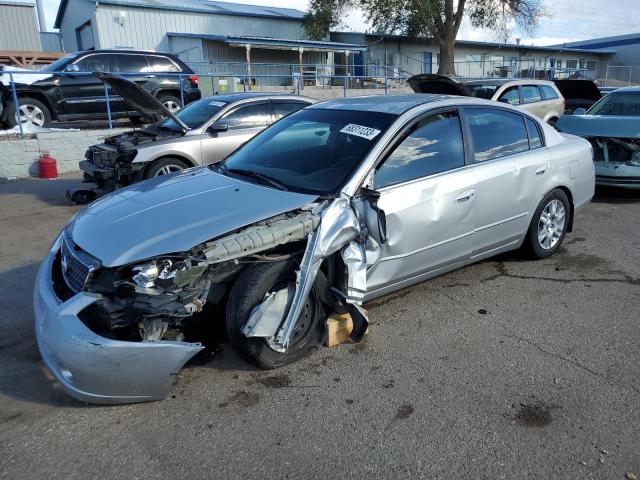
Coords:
pixel 395 104
pixel 503 81
pixel 628 89
pixel 236 97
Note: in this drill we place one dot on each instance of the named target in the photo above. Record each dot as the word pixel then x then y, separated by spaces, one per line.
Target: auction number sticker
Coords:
pixel 216 103
pixel 360 131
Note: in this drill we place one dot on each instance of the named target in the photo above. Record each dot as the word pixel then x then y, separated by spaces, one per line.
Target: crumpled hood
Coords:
pixel 600 126
pixel 174 213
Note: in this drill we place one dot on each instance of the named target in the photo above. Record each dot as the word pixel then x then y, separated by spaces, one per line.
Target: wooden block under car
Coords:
pixel 339 326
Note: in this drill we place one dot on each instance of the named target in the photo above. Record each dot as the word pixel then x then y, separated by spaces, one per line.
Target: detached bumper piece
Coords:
pixel 612 174
pixel 93 368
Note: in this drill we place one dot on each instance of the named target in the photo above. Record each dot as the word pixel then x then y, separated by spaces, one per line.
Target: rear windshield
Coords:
pixel 482 90
pixel 313 150
pixel 621 103
pixel 193 115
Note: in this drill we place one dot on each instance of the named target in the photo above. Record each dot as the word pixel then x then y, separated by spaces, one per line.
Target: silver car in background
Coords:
pixel 539 97
pixel 203 132
pixel 334 205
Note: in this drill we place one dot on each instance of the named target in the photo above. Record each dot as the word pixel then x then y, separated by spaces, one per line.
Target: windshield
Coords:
pixel 617 103
pixel 481 91
pixel 193 115
pixel 313 151
pixel 58 64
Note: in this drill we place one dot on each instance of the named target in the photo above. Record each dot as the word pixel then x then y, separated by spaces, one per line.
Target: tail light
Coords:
pixel 194 80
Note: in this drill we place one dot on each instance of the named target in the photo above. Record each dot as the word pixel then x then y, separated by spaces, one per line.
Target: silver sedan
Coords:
pixel 331 206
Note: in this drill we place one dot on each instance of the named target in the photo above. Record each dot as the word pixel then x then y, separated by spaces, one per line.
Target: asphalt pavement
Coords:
pixel 505 369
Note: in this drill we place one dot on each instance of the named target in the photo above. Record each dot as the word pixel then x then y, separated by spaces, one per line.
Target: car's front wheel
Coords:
pixel 250 290
pixel 549 225
pixel 165 166
pixel 32 112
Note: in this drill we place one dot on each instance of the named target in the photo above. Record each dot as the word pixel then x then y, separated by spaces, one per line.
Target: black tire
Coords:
pixel 136 121
pixel 532 245
pixel 29 102
pixel 169 163
pixel 248 291
pixel 165 99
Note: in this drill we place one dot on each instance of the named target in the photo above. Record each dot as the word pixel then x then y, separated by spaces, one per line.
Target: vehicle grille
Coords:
pixel 75 265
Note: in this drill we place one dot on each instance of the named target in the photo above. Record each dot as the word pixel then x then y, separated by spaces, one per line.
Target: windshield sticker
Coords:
pixel 360 131
pixel 215 103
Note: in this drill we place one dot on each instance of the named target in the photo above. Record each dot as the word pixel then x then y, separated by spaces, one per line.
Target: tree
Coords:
pixel 440 19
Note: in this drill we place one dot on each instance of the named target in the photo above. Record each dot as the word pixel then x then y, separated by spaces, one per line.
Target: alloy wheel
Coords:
pixel 551 224
pixel 31 115
pixel 171 106
pixel 167 169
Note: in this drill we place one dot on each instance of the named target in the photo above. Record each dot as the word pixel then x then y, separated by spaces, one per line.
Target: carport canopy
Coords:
pixel 277 44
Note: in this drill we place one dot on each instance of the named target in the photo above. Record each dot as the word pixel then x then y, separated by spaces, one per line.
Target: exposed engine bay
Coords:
pixel 156 299
pixel 616 150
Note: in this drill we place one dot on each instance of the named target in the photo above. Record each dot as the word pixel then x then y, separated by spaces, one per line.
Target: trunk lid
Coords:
pixel 437 84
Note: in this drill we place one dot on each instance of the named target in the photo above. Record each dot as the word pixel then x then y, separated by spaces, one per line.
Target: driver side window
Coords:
pixel 510 96
pixel 435 145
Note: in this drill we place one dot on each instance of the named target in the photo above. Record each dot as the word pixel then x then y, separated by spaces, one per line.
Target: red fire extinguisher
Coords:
pixel 47 166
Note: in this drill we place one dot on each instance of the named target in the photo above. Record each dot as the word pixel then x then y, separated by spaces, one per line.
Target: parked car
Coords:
pixel 203 132
pixel 578 93
pixel 336 204
pixel 67 89
pixel 539 97
pixel 612 126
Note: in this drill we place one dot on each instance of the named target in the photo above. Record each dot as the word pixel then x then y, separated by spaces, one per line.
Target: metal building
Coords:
pixel 210 35
pixel 19 27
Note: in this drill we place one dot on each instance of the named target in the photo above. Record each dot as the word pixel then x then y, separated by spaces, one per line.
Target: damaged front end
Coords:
pixel 126 311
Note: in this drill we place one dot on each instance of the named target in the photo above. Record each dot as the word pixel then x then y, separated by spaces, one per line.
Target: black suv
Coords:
pixel 62 92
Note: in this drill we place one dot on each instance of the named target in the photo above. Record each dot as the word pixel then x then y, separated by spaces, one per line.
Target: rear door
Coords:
pixel 282 108
pixel 428 197
pixel 133 67
pixel 532 100
pixel 508 166
pixel 243 121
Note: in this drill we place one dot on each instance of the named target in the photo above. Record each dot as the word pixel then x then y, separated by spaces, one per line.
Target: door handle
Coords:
pixel 465 196
pixel 149 76
pixel 541 169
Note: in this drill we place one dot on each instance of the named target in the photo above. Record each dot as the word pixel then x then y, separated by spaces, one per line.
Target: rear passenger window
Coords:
pixel 130 63
pixel 548 92
pixel 496 133
pixel 530 94
pixel 282 109
pixel 160 64
pixel 251 116
pixel 435 146
pixel 535 139
pixel 510 96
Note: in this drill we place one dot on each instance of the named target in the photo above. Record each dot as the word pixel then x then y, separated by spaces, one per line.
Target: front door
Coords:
pixel 427 66
pixel 82 93
pixel 428 197
pixel 243 123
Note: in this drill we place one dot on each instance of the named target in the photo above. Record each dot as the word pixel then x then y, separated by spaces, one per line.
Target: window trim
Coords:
pixel 520 114
pixel 543 142
pixel 544 96
pixel 411 125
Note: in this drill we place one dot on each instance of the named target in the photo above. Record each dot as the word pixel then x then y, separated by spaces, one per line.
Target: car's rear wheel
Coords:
pixel 549 225
pixel 250 290
pixel 165 166
pixel 32 112
pixel 170 102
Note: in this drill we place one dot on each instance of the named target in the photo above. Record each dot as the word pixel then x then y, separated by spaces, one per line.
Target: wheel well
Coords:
pixel 571 206
pixel 175 93
pixel 41 98
pixel 177 157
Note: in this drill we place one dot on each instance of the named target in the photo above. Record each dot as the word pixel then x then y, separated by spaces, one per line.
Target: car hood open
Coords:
pixel 174 213
pixel 141 100
pixel 578 89
pixel 437 84
pixel 600 126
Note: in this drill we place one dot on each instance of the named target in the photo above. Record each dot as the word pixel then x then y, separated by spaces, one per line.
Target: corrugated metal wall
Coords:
pixel 19 28
pixel 78 13
pixel 50 42
pixel 187 49
pixel 146 28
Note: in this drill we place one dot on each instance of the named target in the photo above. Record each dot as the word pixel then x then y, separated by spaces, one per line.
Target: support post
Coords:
pixel 346 71
pixel 14 94
pixel 248 54
pixel 181 91
pixel 106 98
pixel 301 83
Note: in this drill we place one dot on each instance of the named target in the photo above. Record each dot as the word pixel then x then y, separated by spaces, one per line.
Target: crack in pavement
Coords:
pixel 503 272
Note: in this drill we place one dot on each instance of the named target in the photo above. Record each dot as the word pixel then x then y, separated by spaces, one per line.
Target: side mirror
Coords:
pixel 580 111
pixel 218 127
pixel 374 217
pixel 72 68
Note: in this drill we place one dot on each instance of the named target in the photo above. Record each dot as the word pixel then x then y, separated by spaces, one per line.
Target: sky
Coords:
pixel 566 20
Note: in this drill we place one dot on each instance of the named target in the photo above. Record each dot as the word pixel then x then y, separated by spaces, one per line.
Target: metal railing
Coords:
pixel 245 83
